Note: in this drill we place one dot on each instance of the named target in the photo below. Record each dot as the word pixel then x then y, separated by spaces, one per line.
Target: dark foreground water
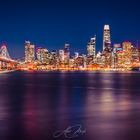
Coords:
pixel 84 106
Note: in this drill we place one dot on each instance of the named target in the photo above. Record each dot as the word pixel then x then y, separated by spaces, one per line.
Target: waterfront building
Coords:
pixel 66 53
pixel 89 60
pixel 42 55
pixel 135 54
pixel 127 54
pixel 115 52
pixel 79 61
pixel 107 58
pixel 61 56
pixel 29 52
pixel 54 58
pixel 71 63
pixel 91 48
pixel 99 58
pixel 120 59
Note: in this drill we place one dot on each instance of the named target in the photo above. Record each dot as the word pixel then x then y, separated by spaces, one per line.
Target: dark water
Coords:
pixel 33 106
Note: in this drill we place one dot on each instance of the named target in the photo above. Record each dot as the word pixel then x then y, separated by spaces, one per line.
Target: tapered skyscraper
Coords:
pixel 106 38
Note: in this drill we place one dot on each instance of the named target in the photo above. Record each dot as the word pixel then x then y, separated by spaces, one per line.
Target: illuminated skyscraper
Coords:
pixel 107 50
pixel 116 56
pixel 99 58
pixel 42 55
pixel 91 47
pixel 127 50
pixel 66 53
pixel 61 55
pixel 29 52
pixel 106 38
pixel 54 57
pixel 135 55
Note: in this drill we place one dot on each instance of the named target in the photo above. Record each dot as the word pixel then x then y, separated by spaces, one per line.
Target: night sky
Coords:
pixel 51 23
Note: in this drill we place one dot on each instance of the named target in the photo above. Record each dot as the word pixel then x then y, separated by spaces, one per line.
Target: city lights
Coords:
pixel 113 57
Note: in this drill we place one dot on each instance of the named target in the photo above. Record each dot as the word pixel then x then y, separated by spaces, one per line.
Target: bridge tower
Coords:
pixel 4 55
pixel 4 52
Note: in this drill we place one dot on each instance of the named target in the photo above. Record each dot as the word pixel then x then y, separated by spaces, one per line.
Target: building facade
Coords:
pixel 127 50
pixel 42 55
pixel 91 48
pixel 66 53
pixel 29 52
pixel 106 38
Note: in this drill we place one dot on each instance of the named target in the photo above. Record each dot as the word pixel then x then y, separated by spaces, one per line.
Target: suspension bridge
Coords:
pixel 6 63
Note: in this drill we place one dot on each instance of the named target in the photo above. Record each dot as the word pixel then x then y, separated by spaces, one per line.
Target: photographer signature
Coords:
pixel 70 132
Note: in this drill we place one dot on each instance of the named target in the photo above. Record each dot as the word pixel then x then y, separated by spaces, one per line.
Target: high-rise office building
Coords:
pixel 91 47
pixel 107 50
pixel 99 58
pixel 54 57
pixel 116 55
pixel 42 55
pixel 135 55
pixel 127 50
pixel 61 55
pixel 120 59
pixel 29 52
pixel 106 38
pixel 66 53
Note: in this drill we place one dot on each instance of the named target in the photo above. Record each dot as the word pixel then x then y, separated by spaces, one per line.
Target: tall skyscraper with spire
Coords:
pixel 107 50
pixel 106 38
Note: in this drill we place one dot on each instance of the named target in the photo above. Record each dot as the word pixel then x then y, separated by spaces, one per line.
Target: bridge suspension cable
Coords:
pixel 4 52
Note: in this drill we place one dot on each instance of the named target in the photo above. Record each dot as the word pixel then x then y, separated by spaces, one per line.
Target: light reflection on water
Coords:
pixel 35 105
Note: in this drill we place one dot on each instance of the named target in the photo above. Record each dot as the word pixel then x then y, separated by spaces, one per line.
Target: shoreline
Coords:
pixel 67 71
pixel 95 71
pixel 9 71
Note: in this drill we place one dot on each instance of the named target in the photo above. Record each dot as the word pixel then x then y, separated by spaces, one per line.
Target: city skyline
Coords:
pixel 53 23
pixel 124 56
pixel 93 41
pixel 69 69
